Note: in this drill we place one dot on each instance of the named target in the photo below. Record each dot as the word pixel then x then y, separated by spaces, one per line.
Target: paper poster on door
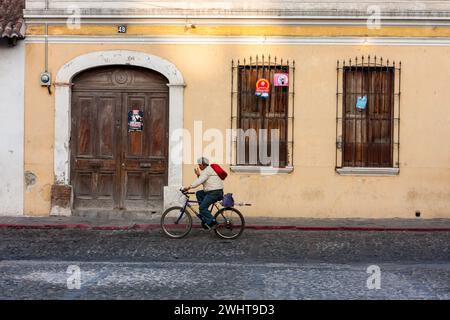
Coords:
pixel 135 120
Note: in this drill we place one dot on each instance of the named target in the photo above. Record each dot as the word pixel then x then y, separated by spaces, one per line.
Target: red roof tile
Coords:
pixel 12 24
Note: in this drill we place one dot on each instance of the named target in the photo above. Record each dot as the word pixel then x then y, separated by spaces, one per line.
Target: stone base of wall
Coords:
pixel 62 199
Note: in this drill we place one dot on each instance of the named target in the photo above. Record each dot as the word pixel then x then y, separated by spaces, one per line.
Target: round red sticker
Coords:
pixel 262 86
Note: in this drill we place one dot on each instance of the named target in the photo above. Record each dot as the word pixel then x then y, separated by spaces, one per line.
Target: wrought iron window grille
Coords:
pixel 242 90
pixel 355 119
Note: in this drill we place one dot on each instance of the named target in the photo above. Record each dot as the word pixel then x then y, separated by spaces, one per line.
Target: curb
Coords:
pixel 250 227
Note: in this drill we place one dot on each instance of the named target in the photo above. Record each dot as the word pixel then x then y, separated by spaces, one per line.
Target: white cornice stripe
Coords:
pixel 231 17
pixel 246 22
pixel 243 40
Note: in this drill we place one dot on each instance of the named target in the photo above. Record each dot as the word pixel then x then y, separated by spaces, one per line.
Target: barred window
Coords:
pixel 259 118
pixel 369 121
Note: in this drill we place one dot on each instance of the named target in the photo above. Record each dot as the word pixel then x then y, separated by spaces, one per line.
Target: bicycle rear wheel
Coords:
pixel 230 223
pixel 176 223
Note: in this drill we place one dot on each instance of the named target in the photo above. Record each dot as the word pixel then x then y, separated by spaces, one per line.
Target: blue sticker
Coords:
pixel 361 103
pixel 264 95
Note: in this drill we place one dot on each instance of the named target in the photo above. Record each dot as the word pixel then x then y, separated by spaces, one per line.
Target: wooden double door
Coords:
pixel 115 165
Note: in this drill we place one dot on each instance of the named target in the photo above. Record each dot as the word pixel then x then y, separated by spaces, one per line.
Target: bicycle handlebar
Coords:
pixel 186 192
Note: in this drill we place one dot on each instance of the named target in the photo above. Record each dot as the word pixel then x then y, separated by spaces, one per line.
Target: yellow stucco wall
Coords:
pixel 313 189
pixel 241 30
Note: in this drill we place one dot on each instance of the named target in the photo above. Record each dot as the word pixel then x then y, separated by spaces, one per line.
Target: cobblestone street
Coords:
pixel 260 265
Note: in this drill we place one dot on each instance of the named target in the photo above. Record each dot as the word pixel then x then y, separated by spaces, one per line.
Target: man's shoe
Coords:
pixel 212 225
pixel 205 226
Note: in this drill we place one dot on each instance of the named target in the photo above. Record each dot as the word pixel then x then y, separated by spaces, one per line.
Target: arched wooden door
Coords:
pixel 119 139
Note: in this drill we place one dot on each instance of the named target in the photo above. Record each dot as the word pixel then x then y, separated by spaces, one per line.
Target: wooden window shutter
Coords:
pixel 368 133
pixel 258 113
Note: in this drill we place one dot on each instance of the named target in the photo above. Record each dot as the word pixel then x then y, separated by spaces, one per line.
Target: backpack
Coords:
pixel 220 172
pixel 228 200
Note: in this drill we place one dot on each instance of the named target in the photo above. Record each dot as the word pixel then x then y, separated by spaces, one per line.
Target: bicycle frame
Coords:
pixel 187 204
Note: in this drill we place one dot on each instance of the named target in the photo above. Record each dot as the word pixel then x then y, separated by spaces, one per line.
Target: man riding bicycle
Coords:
pixel 211 193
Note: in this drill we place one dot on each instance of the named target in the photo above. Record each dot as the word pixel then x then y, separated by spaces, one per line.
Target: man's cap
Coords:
pixel 203 160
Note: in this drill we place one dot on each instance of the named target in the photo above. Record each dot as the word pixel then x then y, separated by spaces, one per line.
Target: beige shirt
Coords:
pixel 209 179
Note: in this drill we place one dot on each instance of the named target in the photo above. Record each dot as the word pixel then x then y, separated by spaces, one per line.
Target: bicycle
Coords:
pixel 176 222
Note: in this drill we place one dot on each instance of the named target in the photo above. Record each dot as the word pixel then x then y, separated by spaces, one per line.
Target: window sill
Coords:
pixel 349 171
pixel 261 169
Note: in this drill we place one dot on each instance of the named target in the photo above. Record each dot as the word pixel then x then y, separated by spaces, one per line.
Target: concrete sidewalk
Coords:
pixel 256 223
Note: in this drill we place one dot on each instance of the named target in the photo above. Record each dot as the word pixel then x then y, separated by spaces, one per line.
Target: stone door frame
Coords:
pixel 61 190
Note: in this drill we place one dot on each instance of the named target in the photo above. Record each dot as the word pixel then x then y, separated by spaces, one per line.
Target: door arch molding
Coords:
pixel 63 108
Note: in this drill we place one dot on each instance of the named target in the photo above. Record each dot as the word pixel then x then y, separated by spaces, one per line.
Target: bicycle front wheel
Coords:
pixel 176 223
pixel 230 223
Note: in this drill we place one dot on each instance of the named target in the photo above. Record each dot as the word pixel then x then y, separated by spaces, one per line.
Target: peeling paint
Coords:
pixel 30 180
